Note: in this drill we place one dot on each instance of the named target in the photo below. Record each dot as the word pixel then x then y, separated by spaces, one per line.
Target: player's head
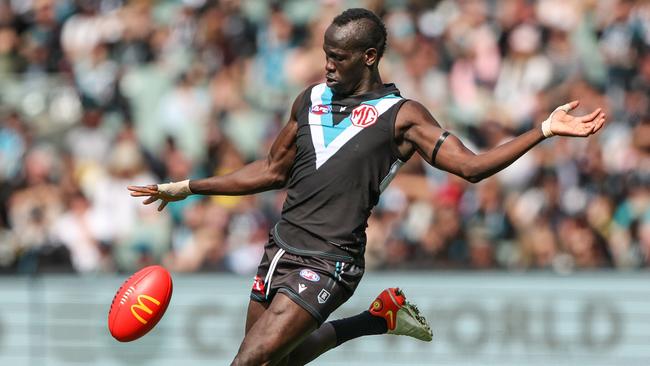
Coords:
pixel 354 43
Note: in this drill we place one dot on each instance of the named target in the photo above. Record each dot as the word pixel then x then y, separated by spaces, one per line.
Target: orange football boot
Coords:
pixel 401 317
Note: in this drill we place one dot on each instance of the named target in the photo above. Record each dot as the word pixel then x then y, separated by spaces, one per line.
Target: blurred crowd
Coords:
pixel 96 95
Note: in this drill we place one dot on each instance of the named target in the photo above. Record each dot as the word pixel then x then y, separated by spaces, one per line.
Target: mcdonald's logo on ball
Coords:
pixel 140 303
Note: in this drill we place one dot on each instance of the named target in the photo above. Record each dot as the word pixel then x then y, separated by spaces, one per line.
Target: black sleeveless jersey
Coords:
pixel 345 158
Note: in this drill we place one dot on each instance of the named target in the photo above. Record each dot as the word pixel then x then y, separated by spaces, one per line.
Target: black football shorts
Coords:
pixel 318 285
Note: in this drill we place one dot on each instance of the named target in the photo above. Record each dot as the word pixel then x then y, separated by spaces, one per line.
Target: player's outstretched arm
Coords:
pixel 258 176
pixel 417 130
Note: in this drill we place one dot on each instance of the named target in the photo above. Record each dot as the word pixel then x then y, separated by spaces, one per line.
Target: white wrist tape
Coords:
pixel 546 125
pixel 176 189
pixel 546 128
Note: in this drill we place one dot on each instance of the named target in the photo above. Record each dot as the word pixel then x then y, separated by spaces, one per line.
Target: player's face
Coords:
pixel 344 64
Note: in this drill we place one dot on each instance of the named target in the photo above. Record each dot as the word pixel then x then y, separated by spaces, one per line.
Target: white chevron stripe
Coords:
pixel 315 126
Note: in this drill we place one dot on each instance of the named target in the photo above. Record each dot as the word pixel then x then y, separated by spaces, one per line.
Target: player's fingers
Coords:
pixel 143 189
pixel 142 194
pixel 163 203
pixel 571 106
pixel 589 127
pixel 597 123
pixel 591 116
pixel 149 200
pixel 600 123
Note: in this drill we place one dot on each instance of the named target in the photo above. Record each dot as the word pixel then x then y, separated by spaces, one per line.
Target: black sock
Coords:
pixel 359 325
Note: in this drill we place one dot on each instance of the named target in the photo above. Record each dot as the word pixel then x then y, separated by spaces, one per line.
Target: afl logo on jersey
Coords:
pixel 364 115
pixel 321 109
pixel 309 275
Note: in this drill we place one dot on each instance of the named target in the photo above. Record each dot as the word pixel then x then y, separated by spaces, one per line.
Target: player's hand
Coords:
pixel 151 191
pixel 564 124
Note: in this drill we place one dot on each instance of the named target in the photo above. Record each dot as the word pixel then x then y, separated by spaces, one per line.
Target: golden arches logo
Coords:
pixel 140 305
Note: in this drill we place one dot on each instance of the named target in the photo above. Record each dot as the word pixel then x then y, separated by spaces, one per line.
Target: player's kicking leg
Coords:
pixel 284 332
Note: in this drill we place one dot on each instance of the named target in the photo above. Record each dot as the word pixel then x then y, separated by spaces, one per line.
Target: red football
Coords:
pixel 140 303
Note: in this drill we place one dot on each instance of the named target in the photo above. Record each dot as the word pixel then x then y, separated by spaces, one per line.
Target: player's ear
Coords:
pixel 370 56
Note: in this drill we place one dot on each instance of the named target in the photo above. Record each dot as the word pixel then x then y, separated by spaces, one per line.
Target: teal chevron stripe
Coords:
pixel 326 120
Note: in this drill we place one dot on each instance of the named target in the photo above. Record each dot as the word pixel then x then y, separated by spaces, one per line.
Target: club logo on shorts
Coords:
pixel 364 115
pixel 309 275
pixel 258 284
pixel 323 296
pixel 321 109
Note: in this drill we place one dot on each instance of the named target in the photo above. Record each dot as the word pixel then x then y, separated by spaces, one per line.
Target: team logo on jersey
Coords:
pixel 323 296
pixel 321 109
pixel 258 284
pixel 309 275
pixel 364 115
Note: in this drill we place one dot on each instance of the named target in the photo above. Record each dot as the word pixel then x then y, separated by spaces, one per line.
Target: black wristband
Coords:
pixel 441 139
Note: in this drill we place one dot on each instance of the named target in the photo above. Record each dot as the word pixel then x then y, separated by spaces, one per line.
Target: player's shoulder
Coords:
pixel 411 111
pixel 413 115
pixel 303 98
pixel 410 106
